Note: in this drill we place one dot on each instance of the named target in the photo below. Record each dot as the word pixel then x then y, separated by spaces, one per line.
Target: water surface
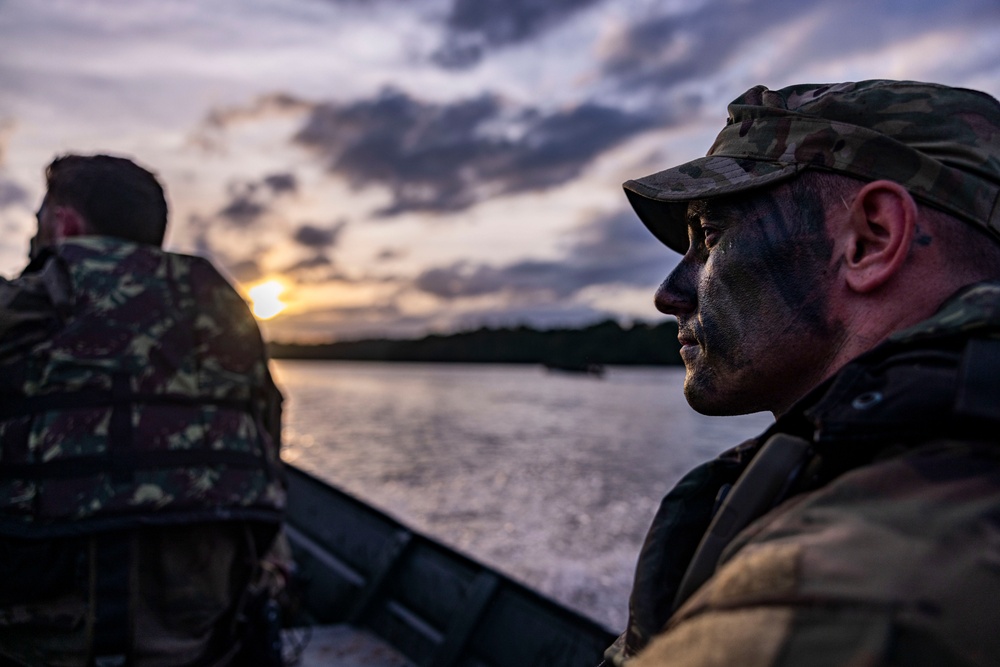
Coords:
pixel 552 478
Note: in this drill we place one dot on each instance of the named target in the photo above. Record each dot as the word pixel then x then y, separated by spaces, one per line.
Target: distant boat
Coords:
pixel 586 368
pixel 367 575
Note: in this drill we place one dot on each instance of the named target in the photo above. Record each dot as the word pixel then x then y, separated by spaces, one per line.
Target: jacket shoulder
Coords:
pixel 903 548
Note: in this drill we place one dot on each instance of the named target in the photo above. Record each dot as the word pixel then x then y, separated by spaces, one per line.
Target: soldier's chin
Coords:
pixel 711 402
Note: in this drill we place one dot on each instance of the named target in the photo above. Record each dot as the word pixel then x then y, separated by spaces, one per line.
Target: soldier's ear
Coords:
pixel 68 222
pixel 877 235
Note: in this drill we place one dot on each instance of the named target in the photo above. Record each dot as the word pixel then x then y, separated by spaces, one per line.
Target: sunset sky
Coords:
pixel 407 166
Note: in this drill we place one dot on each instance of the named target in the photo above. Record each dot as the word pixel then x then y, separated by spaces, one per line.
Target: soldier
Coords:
pixel 841 257
pixel 140 480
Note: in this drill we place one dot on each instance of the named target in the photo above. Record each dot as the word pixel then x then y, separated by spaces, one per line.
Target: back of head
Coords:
pixel 116 196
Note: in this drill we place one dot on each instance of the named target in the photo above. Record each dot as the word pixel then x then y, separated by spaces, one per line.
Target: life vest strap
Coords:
pixel 12 407
pixel 88 466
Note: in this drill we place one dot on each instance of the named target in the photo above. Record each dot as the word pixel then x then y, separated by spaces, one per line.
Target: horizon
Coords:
pixel 626 325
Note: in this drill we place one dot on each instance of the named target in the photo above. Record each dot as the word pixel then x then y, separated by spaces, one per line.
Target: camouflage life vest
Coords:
pixel 148 401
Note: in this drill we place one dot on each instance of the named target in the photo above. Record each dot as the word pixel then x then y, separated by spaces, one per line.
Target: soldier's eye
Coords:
pixel 711 235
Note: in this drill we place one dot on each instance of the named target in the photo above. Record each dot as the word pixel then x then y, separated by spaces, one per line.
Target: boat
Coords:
pixel 363 570
pixel 591 369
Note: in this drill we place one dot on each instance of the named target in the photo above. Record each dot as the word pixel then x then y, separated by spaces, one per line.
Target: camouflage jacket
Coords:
pixel 135 390
pixel 880 543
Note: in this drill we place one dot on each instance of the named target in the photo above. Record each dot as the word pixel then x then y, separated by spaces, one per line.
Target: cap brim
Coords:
pixel 660 199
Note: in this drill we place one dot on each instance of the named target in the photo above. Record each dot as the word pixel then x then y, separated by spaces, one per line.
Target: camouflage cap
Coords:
pixel 941 143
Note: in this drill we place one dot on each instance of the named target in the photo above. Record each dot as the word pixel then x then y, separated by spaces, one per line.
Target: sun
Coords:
pixel 265 299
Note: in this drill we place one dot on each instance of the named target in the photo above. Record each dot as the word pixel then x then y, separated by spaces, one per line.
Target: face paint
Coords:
pixel 750 298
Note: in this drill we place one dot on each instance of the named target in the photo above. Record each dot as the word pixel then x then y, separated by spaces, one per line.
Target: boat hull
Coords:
pixel 436 606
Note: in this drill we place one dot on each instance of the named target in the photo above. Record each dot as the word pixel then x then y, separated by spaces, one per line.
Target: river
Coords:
pixel 551 478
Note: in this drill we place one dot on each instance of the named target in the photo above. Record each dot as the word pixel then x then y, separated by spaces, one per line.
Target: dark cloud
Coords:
pixel 12 194
pixel 656 53
pixel 474 26
pixel 317 261
pixel 611 250
pixel 663 51
pixel 281 183
pixel 619 246
pixel 316 269
pixel 251 199
pixel 242 210
pixel 312 236
pixel 463 280
pixel 448 157
pixel 842 33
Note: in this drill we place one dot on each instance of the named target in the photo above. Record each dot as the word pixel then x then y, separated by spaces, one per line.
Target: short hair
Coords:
pixel 969 249
pixel 116 196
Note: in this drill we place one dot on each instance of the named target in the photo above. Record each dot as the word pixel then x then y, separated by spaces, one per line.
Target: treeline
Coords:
pixel 603 343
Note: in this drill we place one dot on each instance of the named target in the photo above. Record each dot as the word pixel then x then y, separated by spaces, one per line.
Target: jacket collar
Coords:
pixel 909 383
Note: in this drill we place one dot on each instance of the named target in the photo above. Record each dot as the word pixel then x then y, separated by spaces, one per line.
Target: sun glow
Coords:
pixel 265 299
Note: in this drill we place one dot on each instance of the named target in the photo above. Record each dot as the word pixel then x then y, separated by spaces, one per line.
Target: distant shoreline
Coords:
pixel 602 343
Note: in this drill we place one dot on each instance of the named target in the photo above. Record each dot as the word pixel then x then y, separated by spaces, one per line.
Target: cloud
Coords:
pixel 312 236
pixel 265 106
pixel 239 263
pixel 617 239
pixel 250 200
pixel 243 210
pixel 473 26
pixel 677 47
pixel 209 134
pixel 281 183
pixel 692 45
pixel 615 249
pixel 447 157
pixel 312 269
pixel 463 280
pixel 197 230
pixel 7 126
pixel 11 194
pixel 245 271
